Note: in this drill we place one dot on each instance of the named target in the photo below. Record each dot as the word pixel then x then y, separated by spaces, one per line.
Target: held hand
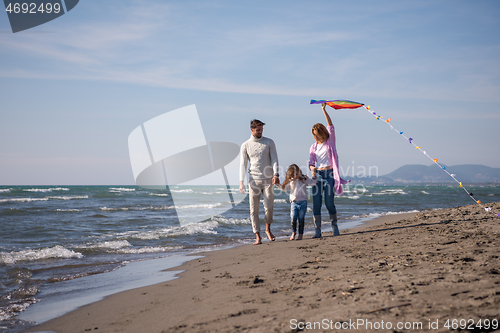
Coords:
pixel 243 189
pixel 276 180
pixel 313 171
pixel 323 106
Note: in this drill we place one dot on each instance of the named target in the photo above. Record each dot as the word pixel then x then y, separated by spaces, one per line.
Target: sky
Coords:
pixel 73 89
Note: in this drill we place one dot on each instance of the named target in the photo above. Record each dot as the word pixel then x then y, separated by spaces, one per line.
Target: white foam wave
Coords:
pixel 39 254
pixel 353 197
pixel 109 209
pixel 14 309
pixel 278 201
pixel 68 210
pixel 182 191
pixel 114 245
pixel 189 229
pixel 424 192
pixel 120 189
pixel 375 215
pixel 391 191
pixel 225 191
pixel 356 190
pixel 69 197
pixel 233 221
pixel 4 190
pixel 46 189
pixel 137 208
pixel 208 206
pixel 149 249
pixel 24 199
pixel 45 199
pixel 159 194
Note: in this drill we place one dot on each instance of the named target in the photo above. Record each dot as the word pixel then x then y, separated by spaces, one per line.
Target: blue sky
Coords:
pixel 73 89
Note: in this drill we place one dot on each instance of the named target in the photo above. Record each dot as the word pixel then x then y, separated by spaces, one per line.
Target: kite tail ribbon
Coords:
pixel 434 160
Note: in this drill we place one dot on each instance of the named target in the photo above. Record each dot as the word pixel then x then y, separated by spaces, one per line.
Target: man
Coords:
pixel 263 174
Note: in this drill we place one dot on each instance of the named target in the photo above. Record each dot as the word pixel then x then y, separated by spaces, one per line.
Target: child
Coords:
pixel 296 182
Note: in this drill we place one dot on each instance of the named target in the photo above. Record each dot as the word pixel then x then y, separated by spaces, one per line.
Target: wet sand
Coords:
pixel 413 272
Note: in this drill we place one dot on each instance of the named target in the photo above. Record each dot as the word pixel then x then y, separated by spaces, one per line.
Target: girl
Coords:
pixel 324 161
pixel 296 182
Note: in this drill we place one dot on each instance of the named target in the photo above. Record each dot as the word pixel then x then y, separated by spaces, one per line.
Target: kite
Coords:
pixel 339 104
pixel 343 104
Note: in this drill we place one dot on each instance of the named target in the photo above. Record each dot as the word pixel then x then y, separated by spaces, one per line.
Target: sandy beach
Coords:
pixel 431 271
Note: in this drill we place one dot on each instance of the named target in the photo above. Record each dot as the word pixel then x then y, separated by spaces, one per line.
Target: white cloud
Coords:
pixel 158 45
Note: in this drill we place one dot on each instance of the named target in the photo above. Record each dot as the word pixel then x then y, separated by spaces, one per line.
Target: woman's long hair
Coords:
pixel 320 130
pixel 292 172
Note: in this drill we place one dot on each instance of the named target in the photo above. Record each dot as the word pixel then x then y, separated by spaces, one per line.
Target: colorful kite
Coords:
pixel 341 104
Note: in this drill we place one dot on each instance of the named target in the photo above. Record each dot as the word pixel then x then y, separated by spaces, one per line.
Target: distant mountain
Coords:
pixel 417 173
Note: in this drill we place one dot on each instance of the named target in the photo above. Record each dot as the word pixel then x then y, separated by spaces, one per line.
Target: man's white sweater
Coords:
pixel 262 156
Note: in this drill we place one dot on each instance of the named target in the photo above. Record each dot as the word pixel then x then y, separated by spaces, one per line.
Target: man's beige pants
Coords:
pixel 256 188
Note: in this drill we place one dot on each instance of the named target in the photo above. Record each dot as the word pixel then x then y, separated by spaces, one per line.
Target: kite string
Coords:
pixel 435 160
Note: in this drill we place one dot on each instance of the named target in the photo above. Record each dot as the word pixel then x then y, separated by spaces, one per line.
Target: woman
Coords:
pixel 324 164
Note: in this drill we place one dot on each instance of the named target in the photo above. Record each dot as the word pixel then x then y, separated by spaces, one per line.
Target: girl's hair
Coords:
pixel 321 130
pixel 291 172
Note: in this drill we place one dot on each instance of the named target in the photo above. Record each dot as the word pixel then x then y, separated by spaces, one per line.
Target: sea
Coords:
pixel 59 242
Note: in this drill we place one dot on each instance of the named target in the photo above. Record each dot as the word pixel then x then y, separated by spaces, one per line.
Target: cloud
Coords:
pixel 177 47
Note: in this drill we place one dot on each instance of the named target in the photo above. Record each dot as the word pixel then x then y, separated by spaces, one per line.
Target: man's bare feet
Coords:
pixel 300 237
pixel 292 237
pixel 258 239
pixel 270 235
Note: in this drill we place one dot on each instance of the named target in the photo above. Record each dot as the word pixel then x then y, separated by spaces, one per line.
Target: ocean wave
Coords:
pixel 68 210
pixel 74 197
pixel 15 307
pixel 160 194
pixel 57 251
pixel 46 189
pixel 121 189
pixel 106 209
pixel 424 192
pixel 23 199
pixel 390 191
pixel 209 206
pixel 221 219
pixel 137 208
pixel 356 190
pixel 45 199
pixel 188 229
pixel 148 249
pixel 4 190
pixel 375 215
pixel 221 191
pixel 114 245
pixel 279 201
pixel 182 191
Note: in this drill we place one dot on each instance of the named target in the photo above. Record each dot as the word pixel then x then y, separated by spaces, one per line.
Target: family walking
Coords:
pixel 259 159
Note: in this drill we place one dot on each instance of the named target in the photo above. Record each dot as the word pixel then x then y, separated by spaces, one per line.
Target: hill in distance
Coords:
pixel 417 173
